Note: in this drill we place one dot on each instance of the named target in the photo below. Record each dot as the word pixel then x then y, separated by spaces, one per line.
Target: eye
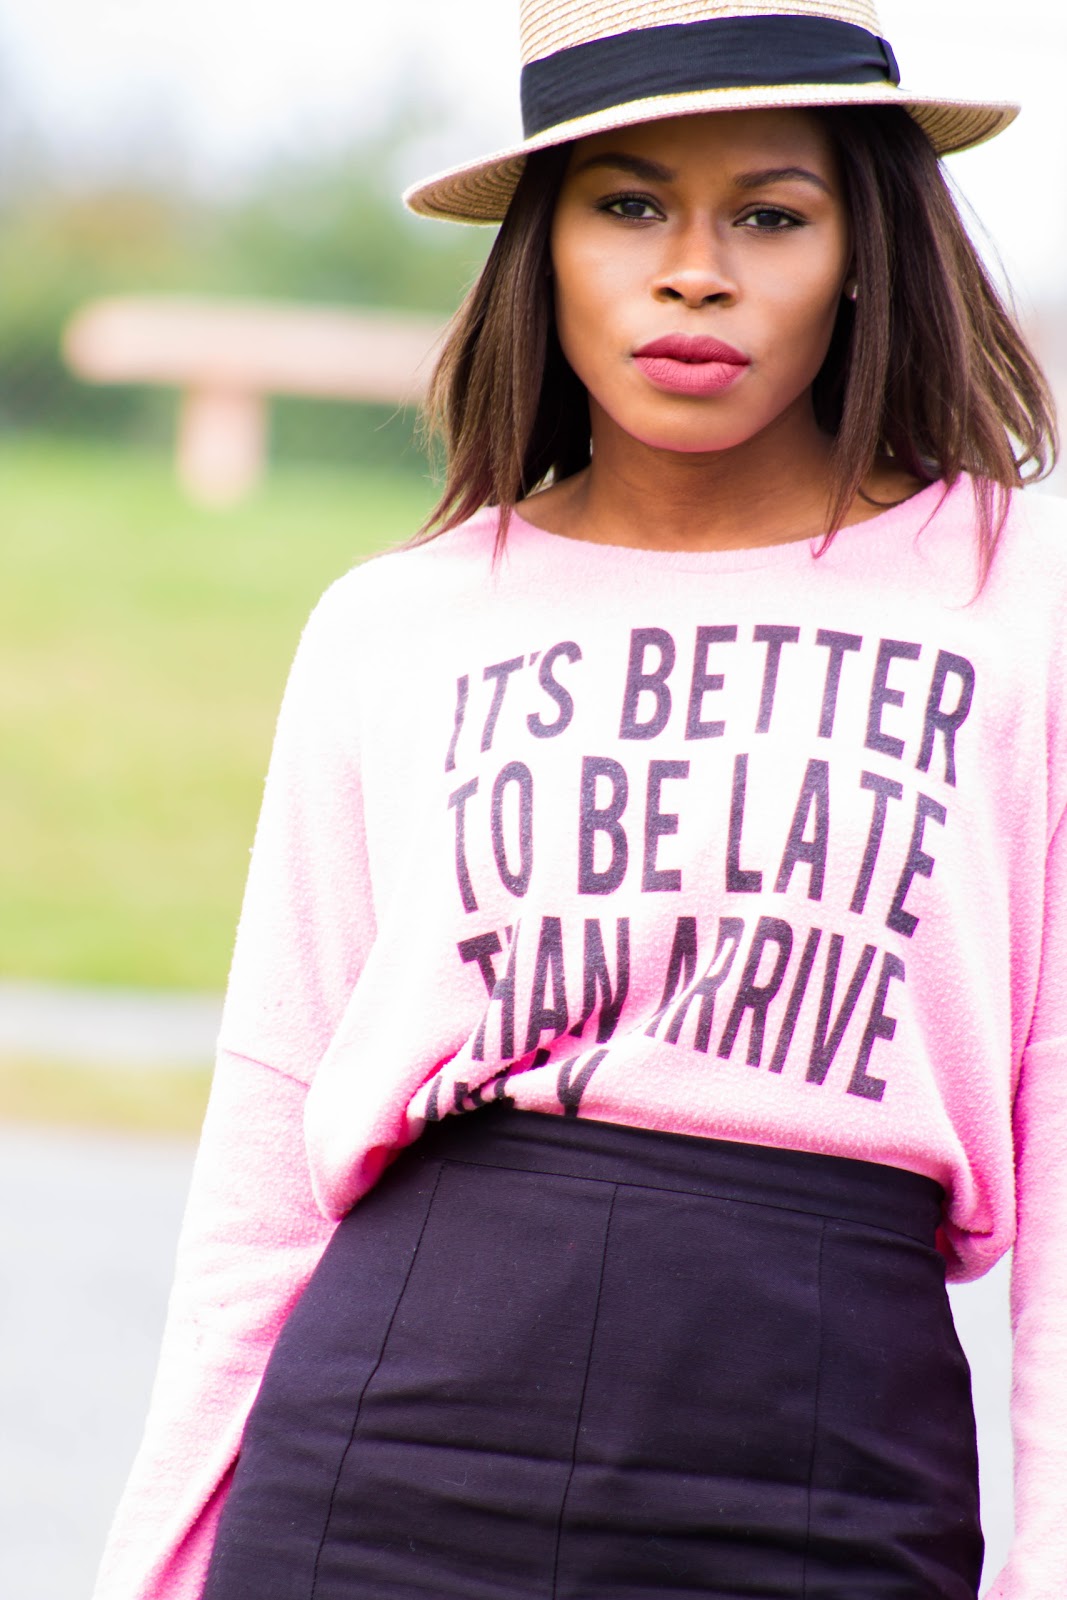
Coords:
pixel 632 207
pixel 770 219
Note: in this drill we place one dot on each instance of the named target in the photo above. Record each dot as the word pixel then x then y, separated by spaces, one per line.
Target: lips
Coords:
pixel 690 364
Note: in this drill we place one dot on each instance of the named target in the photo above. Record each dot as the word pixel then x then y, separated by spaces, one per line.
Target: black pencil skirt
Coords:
pixel 554 1359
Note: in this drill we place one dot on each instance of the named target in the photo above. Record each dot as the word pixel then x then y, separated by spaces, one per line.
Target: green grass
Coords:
pixel 144 645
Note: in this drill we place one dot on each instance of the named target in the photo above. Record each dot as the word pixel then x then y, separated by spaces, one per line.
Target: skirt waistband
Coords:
pixel 838 1187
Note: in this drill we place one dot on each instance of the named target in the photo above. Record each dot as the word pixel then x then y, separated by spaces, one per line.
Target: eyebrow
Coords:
pixel 756 180
pixel 653 172
pixel 639 166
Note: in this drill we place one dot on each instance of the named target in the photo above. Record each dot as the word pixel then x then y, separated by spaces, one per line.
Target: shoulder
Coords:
pixel 1030 565
pixel 1030 560
pixel 1039 518
pixel 414 573
pixel 406 589
pixel 1025 603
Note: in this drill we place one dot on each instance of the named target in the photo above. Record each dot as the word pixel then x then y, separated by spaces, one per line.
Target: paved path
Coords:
pixel 983 1321
pixel 86 1249
pixel 114 1027
pixel 87 1232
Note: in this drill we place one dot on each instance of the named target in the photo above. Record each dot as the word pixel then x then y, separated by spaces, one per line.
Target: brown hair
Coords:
pixel 928 365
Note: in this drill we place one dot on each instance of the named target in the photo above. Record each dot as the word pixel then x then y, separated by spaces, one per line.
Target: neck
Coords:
pixel 771 489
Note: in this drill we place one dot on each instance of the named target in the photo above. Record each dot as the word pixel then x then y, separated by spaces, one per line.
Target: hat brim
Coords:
pixel 481 191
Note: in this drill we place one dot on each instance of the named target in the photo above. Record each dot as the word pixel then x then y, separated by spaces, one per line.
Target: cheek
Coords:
pixel 572 317
pixel 801 315
pixel 576 324
pixel 591 289
pixel 811 286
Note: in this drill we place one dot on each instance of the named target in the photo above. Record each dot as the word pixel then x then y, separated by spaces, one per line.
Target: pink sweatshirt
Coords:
pixel 744 844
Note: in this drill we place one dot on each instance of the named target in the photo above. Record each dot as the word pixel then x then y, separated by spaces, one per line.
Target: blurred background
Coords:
pixel 153 582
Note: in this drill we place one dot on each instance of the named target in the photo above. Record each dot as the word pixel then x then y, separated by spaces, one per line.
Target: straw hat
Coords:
pixel 590 65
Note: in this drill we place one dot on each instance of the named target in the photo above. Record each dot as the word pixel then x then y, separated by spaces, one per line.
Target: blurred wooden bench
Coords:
pixel 228 357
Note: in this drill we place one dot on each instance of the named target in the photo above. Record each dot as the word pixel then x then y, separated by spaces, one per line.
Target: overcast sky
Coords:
pixel 224 84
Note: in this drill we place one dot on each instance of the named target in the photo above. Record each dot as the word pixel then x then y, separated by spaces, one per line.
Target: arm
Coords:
pixel 252 1233
pixel 1038 1566
pixel 251 1237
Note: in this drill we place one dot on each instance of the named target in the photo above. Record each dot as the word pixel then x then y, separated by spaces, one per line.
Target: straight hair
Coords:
pixel 928 366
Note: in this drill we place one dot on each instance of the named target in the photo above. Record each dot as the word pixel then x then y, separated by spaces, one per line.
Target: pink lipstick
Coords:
pixel 690 364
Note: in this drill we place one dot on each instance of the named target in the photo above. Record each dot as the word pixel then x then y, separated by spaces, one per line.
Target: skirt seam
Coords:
pixel 581 1402
pixel 366 1386
pixel 824 1217
pixel 815 1412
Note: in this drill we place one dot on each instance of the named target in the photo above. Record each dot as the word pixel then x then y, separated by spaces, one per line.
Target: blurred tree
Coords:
pixel 331 232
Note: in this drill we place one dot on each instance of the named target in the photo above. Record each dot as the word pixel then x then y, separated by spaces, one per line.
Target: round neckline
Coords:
pixel 920 507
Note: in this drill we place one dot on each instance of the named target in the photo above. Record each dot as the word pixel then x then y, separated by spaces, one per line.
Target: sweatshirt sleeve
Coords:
pixel 252 1233
pixel 1037 1569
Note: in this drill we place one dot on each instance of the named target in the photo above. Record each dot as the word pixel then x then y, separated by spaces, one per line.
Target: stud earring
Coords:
pixel 852 290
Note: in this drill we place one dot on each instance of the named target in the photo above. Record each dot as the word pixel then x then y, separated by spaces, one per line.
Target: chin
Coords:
pixel 692 442
pixel 687 427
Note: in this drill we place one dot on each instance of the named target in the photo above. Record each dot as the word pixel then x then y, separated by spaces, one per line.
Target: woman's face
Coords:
pixel 720 241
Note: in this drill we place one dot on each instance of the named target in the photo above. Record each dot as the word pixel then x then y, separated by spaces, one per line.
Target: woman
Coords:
pixel 660 874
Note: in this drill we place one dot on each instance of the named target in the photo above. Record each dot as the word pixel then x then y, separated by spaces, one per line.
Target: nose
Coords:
pixel 695 269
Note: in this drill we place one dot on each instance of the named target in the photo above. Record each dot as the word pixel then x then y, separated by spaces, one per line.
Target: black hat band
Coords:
pixel 680 58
